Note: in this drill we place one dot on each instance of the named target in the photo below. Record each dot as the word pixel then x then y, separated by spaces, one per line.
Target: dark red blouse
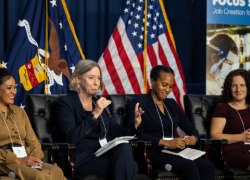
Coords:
pixel 234 126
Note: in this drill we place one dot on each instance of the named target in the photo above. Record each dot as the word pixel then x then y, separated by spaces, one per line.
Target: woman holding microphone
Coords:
pixel 81 119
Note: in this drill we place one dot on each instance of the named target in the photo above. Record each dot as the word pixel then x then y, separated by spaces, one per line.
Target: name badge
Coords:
pixel 20 152
pixel 247 143
pixel 168 139
pixel 103 141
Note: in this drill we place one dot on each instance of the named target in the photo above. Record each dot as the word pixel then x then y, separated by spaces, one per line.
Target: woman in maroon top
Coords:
pixel 231 118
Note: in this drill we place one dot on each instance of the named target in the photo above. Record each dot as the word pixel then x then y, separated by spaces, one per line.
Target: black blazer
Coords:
pixel 78 127
pixel 151 125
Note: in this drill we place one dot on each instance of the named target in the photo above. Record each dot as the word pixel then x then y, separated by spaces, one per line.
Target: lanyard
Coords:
pixel 240 118
pixel 102 122
pixel 9 130
pixel 161 119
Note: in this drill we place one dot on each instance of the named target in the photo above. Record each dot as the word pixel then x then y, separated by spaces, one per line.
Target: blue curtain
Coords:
pixel 95 20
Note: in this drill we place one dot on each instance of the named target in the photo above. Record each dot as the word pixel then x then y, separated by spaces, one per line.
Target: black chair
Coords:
pixel 119 110
pixel 41 112
pixel 198 109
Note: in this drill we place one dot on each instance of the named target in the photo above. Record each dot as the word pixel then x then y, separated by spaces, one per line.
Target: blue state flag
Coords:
pixel 25 56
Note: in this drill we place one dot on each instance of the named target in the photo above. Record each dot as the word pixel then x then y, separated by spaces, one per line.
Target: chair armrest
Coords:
pixel 203 141
pixel 67 146
pixel 140 143
pixel 49 146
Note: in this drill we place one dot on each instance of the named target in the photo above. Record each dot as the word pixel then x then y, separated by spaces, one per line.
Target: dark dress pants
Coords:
pixel 118 163
pixel 199 169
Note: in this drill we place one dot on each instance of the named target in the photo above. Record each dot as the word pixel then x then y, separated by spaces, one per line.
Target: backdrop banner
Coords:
pixel 228 41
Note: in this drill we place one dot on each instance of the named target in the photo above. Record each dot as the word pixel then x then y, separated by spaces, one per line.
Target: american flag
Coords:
pixel 122 62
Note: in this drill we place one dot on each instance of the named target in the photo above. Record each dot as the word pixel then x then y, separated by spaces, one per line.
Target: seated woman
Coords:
pixel 159 122
pixel 16 130
pixel 81 119
pixel 230 119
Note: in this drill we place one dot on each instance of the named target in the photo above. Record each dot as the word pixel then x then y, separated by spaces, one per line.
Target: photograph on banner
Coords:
pixel 227 41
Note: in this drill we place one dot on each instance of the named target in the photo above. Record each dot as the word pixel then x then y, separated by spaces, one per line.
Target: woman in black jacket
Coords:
pixel 159 122
pixel 81 120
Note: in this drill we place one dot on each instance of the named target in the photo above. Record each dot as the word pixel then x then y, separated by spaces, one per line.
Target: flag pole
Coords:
pixel 167 23
pixel 145 52
pixel 46 51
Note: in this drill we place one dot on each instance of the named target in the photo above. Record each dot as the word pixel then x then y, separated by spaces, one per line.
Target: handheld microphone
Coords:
pixel 168 167
pixel 98 94
pixel 12 175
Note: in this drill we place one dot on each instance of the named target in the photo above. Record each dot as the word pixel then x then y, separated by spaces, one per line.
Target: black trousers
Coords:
pixel 199 169
pixel 118 163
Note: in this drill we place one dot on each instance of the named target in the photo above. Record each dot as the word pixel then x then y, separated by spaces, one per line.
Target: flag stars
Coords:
pixel 152 36
pixel 4 65
pixel 143 20
pixel 128 2
pixel 126 10
pixel 134 33
pixel 141 1
pixel 139 45
pixel 129 21
pixel 157 14
pixel 131 13
pixel 22 106
pixel 142 28
pixel 154 27
pixel 150 7
pixel 141 37
pixel 160 26
pixel 65 47
pixel 155 18
pixel 149 15
pixel 136 25
pixel 148 23
pixel 133 5
pixel 53 3
pixel 72 68
pixel 60 24
pixel 137 16
pixel 139 8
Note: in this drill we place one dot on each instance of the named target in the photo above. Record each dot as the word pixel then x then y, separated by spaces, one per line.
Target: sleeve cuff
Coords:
pixel 10 157
pixel 133 130
pixel 93 123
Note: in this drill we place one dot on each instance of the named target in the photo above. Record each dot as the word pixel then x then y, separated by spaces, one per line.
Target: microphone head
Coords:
pixel 98 93
pixel 168 167
pixel 12 175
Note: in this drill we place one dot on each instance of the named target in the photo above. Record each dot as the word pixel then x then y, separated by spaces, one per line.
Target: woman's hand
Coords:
pixel 190 140
pixel 138 112
pixel 245 136
pixel 100 105
pixel 175 143
pixel 28 161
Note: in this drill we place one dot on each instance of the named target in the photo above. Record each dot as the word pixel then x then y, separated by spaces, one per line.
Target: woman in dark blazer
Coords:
pixel 81 120
pixel 159 122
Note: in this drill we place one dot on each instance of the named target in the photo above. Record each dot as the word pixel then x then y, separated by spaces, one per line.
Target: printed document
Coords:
pixel 187 153
pixel 113 143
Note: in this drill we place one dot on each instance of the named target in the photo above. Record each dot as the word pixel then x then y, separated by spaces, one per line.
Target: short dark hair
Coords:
pixel 226 89
pixel 4 75
pixel 155 72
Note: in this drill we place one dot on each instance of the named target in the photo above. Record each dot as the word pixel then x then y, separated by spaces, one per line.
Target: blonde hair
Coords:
pixel 82 67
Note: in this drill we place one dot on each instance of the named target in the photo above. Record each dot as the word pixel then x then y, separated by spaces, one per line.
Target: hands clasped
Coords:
pixel 180 142
pixel 29 161
pixel 245 136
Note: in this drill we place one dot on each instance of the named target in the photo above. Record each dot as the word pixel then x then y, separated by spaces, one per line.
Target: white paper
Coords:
pixel 187 153
pixel 113 143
